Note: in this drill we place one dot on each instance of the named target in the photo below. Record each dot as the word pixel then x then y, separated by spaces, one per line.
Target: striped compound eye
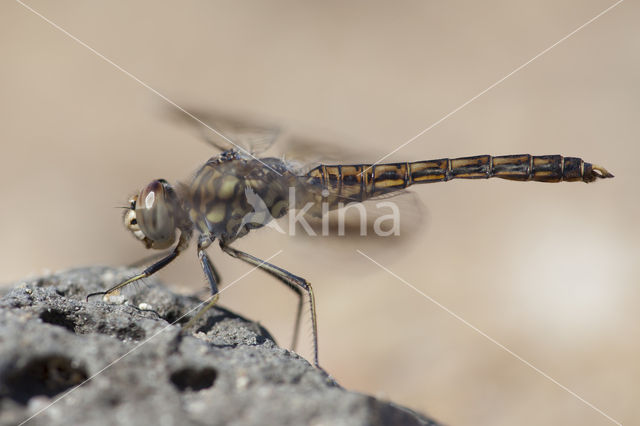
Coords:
pixel 154 215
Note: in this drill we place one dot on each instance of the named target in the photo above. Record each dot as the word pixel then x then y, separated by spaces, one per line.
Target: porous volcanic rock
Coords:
pixel 134 366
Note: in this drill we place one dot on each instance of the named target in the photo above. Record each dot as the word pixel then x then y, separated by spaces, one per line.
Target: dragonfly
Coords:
pixel 219 203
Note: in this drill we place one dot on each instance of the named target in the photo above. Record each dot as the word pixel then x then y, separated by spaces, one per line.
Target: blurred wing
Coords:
pixel 312 152
pixel 226 132
pixel 384 228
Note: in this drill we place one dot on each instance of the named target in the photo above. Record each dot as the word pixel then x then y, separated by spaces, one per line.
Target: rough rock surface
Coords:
pixel 143 371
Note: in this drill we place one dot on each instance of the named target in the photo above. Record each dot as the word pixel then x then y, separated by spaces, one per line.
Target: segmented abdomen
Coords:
pixel 362 181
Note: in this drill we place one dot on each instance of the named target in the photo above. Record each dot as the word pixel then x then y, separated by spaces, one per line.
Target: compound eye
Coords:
pixel 155 215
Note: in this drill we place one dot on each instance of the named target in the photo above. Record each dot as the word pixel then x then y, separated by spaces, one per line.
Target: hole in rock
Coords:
pixel 46 375
pixel 193 378
pixel 59 318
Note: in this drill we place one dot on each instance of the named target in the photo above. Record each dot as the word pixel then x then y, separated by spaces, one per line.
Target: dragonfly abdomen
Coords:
pixel 521 167
pixel 362 181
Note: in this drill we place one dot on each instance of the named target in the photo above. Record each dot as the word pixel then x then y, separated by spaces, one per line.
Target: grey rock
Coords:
pixel 65 361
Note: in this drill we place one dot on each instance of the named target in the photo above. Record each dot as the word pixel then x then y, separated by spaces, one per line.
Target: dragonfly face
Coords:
pixel 131 222
pixel 151 216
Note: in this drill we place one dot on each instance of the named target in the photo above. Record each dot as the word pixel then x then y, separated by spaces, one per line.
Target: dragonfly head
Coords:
pixel 151 215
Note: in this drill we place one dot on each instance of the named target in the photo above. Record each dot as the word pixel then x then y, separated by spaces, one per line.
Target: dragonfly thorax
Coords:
pixel 231 195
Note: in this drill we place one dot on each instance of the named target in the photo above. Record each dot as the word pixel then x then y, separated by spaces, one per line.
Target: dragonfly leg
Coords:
pixel 146 273
pixel 183 242
pixel 294 282
pixel 212 277
pixel 148 259
pixel 296 326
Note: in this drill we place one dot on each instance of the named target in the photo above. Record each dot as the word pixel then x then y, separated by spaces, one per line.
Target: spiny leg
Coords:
pixel 292 281
pixel 146 273
pixel 148 259
pixel 296 326
pixel 212 276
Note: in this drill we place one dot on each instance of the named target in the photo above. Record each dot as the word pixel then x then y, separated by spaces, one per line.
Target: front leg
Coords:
pixel 183 242
pixel 146 273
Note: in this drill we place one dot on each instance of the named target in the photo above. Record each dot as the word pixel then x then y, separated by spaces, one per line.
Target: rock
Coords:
pixel 67 361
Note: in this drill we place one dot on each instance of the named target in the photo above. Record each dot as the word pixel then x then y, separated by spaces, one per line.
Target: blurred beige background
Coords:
pixel 549 271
